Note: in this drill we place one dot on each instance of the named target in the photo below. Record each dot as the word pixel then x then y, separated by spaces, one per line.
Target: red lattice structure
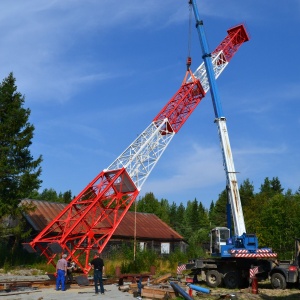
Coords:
pixel 86 225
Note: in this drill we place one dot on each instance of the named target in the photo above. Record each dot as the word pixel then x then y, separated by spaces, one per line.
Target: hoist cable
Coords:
pixel 189 59
pixel 190 30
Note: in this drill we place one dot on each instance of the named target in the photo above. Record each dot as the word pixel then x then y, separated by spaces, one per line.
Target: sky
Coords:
pixel 95 73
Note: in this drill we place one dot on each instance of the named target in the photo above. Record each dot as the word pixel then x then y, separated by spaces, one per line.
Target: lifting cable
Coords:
pixel 189 58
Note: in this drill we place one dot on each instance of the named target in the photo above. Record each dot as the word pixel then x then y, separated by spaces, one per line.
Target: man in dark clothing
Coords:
pixel 70 268
pixel 98 265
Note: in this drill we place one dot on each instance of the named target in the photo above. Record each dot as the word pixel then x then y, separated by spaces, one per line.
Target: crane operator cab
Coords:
pixel 219 237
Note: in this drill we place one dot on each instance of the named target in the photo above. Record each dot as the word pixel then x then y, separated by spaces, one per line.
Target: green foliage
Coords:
pixel 20 257
pixel 246 192
pixel 51 196
pixel 271 187
pixel 218 213
pixel 148 204
pixel 19 172
pixel 283 214
pixel 140 261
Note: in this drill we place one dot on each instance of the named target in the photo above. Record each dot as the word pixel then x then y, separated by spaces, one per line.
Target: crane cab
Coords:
pixel 219 237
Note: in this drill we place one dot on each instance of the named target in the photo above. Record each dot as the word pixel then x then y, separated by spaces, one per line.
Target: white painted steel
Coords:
pixel 234 195
pixel 142 155
pixel 219 64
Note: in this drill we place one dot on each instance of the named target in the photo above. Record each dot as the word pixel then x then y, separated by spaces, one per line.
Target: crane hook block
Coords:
pixel 188 62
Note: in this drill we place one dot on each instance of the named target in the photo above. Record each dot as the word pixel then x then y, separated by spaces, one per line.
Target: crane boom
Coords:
pixel 220 120
pixel 241 244
pixel 89 221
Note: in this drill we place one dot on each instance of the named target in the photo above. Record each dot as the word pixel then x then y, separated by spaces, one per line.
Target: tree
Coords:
pixel 164 213
pixel 279 224
pixel 148 204
pixel 67 196
pixel 180 219
pixel 271 187
pixel 49 195
pixel 19 171
pixel 173 215
pixel 218 214
pixel 246 192
pixel 192 216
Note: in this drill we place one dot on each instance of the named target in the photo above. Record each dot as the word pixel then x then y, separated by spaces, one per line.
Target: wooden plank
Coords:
pixel 157 296
pixel 161 278
pixel 157 293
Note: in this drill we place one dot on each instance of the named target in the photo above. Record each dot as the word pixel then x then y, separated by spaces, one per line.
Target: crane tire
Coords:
pixel 278 281
pixel 213 278
pixel 231 280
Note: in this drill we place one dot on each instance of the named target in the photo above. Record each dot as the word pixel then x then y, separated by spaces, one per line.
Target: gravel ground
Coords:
pixel 74 292
pixel 86 293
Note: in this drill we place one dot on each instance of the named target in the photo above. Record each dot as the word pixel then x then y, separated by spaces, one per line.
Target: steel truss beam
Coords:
pixel 88 222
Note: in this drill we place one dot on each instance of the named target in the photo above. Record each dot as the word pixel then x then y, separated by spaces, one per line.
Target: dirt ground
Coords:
pixel 75 292
pixel 264 291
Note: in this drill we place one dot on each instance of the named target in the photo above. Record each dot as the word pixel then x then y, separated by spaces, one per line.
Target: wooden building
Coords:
pixel 146 229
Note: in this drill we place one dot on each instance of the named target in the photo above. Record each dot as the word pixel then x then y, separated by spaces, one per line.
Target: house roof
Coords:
pixel 148 226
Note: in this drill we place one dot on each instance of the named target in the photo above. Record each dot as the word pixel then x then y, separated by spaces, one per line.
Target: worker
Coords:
pixel 61 272
pixel 98 265
pixel 70 268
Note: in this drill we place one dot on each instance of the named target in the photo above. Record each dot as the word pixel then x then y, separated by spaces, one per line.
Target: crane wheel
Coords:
pixel 213 278
pixel 231 280
pixel 278 281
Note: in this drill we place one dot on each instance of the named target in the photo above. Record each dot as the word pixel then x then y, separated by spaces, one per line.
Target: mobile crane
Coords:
pixel 86 225
pixel 232 256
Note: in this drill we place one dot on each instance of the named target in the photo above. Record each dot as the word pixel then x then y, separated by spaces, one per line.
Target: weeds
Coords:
pixel 123 257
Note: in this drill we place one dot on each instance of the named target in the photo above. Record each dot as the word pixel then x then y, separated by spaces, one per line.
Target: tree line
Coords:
pixel 272 214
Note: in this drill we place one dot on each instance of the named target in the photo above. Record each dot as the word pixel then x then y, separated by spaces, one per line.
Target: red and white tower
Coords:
pixel 89 221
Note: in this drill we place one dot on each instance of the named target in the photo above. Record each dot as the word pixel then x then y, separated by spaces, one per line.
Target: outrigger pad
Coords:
pixel 82 280
pixel 56 248
pixel 28 248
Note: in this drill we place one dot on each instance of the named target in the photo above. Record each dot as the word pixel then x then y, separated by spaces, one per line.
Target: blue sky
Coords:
pixel 96 73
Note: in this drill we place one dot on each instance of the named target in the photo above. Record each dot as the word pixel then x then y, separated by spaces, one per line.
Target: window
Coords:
pixel 165 248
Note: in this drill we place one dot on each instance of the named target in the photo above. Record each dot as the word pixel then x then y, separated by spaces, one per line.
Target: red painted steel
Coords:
pixel 73 230
pixel 182 104
pixel 236 37
pixel 100 207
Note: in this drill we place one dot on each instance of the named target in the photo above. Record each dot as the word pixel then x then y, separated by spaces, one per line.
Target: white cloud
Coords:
pixel 38 37
pixel 193 167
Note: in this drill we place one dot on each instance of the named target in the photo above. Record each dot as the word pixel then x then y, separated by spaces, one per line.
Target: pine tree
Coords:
pixel 246 192
pixel 19 172
pixel 218 216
